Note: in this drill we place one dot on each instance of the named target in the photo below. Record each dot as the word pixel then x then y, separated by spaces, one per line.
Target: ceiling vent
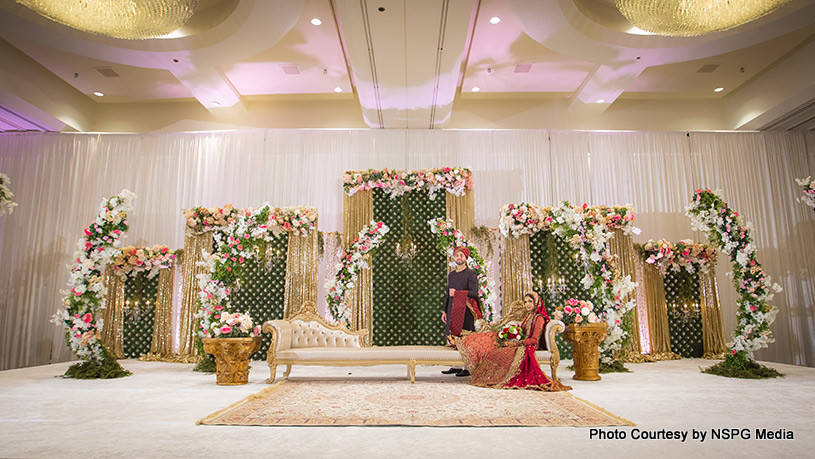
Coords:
pixel 708 68
pixel 522 68
pixel 291 69
pixel 107 72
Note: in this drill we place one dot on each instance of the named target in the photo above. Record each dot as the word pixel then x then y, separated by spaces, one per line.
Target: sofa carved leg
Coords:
pixel 287 372
pixel 272 374
pixel 412 371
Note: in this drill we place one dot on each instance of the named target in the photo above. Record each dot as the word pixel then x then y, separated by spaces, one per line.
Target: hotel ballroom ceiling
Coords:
pixel 413 64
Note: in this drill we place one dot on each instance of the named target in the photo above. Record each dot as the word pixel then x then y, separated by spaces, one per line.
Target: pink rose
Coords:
pixel 87 318
pixel 226 329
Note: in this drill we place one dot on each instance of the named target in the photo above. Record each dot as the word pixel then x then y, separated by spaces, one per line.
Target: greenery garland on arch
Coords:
pixel 676 256
pixel 87 290
pixel 234 244
pixel 449 239
pixel 586 229
pixel 726 230
pixel 351 262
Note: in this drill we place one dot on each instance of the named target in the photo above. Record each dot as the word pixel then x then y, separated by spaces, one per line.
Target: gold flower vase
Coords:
pixel 586 339
pixel 231 358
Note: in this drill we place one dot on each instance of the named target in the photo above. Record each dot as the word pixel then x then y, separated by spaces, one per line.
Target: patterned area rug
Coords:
pixel 390 403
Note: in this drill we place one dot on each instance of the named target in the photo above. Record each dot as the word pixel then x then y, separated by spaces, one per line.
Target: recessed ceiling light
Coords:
pixel 495 20
pixel 475 89
pixel 338 89
pixel 215 103
pixel 601 101
pixel 98 93
pixel 316 21
pixel 718 90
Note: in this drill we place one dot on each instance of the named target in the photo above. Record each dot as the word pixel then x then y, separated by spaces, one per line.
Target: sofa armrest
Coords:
pixel 552 328
pixel 281 331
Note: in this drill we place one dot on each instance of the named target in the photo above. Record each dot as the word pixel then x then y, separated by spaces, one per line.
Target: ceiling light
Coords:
pixel 215 103
pixel 475 89
pixel 690 18
pixel 128 19
pixel 601 101
pixel 495 20
pixel 338 89
pixel 316 21
pixel 98 93
pixel 718 90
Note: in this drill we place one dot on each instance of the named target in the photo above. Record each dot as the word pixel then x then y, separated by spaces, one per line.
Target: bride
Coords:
pixel 497 363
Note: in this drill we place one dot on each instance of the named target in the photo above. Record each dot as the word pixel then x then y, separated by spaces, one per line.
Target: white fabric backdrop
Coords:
pixel 59 180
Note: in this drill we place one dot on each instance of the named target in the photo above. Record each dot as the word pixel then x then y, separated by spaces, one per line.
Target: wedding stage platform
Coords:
pixel 153 413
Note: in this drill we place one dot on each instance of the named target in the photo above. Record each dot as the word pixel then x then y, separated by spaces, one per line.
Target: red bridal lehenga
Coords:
pixel 510 367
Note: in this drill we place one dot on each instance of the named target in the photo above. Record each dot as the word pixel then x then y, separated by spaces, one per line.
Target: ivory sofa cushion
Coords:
pixel 376 353
pixel 307 334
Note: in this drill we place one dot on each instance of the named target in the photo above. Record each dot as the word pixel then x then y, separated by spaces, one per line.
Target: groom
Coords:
pixel 461 306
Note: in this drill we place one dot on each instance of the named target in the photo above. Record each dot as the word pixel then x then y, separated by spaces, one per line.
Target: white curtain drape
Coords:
pixel 59 180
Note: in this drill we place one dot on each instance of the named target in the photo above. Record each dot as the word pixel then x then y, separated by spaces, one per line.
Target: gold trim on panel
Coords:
pixel 195 248
pixel 302 261
pixel 516 270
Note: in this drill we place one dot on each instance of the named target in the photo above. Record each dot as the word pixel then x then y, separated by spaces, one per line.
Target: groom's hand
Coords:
pixel 444 317
pixel 452 292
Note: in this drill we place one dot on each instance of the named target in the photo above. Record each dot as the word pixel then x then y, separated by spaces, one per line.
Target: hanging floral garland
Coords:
pixel 455 180
pixel 143 259
pixel 527 218
pixel 234 244
pixel 809 191
pixel 87 290
pixel 351 262
pixel 587 230
pixel 6 203
pixel 301 220
pixel 726 230
pixel 676 256
pixel 449 239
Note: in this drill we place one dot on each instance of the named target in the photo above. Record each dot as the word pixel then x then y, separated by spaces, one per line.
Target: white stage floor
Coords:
pixel 153 414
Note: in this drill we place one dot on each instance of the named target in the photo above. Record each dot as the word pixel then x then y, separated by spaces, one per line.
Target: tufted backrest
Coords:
pixel 314 334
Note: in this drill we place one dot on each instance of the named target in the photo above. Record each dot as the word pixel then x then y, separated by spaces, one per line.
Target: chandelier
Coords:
pixel 128 19
pixel 688 18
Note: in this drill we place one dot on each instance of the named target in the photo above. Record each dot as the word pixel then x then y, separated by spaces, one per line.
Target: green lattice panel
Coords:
pixel 408 295
pixel 137 331
pixel 682 287
pixel 552 256
pixel 262 289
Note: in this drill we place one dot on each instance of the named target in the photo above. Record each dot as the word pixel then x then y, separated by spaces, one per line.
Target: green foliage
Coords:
pixel 109 368
pixel 137 329
pixel 408 294
pixel 207 363
pixel 738 365
pixel 617 366
pixel 682 287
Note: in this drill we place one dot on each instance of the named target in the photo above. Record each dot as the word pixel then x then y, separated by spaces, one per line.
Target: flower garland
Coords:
pixel 351 262
pixel 809 191
pixel 449 239
pixel 685 254
pixel 527 218
pixel 301 220
pixel 576 312
pixel 6 204
pixel 455 180
pixel 234 244
pixel 87 291
pixel 726 230
pixel 587 230
pixel 143 259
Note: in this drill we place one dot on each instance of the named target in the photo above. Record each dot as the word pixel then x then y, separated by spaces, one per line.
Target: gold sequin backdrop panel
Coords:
pixel 196 248
pixel 358 211
pixel 516 270
pixel 622 246
pixel 461 210
pixel 302 259
pixel 113 314
pixel 162 343
pixel 658 314
pixel 712 325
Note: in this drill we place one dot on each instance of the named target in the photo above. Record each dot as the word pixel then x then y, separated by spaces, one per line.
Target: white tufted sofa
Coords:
pixel 307 339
